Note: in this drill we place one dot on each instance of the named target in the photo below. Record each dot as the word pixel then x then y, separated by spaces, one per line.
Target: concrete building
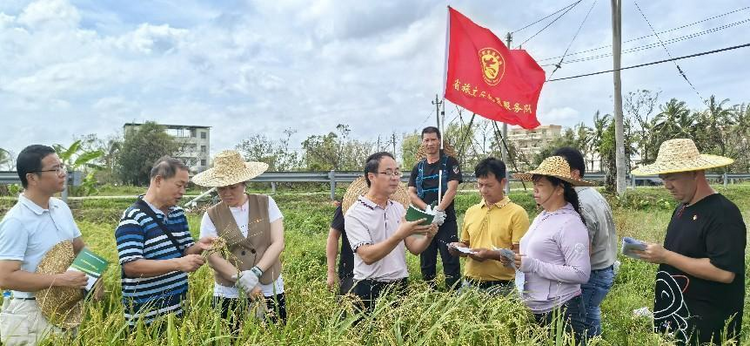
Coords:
pixel 531 142
pixel 195 142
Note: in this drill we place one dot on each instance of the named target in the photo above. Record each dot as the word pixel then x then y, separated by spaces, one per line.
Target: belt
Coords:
pixel 488 284
pixel 23 298
pixel 383 282
pixel 611 266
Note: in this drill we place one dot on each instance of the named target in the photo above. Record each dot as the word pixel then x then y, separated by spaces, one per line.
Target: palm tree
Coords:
pixel 674 120
pixel 717 120
pixel 600 127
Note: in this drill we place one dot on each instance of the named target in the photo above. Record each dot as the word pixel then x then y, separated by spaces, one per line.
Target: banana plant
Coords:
pixel 78 159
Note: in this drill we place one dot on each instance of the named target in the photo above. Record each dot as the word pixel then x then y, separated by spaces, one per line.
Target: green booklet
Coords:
pixel 90 264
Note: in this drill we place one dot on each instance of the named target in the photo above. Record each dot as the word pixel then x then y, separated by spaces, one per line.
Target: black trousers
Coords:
pixel 447 233
pixel 368 291
pixel 346 282
pixel 236 310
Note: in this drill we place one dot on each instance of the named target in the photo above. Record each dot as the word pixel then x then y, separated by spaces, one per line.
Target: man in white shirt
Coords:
pixel 379 234
pixel 33 226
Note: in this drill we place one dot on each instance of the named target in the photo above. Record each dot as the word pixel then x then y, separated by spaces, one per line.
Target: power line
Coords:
pixel 679 69
pixel 653 62
pixel 557 66
pixel 550 23
pixel 545 17
pixel 651 35
pixel 656 44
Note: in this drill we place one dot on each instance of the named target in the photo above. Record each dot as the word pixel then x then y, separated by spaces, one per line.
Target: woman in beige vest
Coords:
pixel 253 228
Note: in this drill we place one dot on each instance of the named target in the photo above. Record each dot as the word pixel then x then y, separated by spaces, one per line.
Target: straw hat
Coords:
pixel 447 150
pixel 229 169
pixel 61 306
pixel 554 166
pixel 681 155
pixel 359 188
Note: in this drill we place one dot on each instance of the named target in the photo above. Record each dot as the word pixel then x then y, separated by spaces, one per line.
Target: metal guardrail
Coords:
pixel 333 178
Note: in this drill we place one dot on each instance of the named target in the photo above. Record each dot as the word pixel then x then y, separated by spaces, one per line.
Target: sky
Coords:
pixel 75 67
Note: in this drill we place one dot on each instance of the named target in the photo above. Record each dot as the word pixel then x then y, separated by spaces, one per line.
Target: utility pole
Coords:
pixel 437 104
pixel 619 128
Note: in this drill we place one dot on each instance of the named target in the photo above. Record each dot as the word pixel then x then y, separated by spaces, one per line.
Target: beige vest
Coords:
pixel 246 251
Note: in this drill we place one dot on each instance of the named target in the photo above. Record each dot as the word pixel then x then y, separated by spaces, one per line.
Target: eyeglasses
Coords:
pixel 60 170
pixel 390 173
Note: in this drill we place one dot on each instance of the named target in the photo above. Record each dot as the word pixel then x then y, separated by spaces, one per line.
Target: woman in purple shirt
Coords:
pixel 554 254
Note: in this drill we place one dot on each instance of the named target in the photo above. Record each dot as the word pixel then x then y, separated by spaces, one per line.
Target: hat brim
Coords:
pixel 359 187
pixel 703 162
pixel 575 182
pixel 210 178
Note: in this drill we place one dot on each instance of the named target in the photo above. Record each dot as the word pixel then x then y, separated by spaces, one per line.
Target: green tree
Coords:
pixel 335 151
pixel 410 144
pixel 276 154
pixel 568 139
pixel 639 106
pixel 6 159
pixel 141 147
pixel 601 122
pixel 78 158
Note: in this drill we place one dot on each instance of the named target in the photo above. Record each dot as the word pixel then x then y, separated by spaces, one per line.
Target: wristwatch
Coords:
pixel 256 271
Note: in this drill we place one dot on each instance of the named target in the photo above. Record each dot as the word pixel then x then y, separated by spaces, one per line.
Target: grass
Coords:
pixel 422 318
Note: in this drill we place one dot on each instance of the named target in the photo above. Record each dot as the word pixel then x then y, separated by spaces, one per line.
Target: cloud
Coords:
pixel 251 66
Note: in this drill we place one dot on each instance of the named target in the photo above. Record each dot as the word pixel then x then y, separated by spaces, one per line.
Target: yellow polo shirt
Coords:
pixel 501 225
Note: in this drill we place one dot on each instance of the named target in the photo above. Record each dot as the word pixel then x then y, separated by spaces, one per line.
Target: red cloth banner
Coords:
pixel 487 78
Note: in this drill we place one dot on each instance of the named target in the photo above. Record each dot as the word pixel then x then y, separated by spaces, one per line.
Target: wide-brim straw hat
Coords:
pixel 681 155
pixel 359 187
pixel 61 306
pixel 447 150
pixel 554 166
pixel 229 169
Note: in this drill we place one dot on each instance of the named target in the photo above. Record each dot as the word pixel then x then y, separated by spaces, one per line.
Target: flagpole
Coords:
pixel 445 77
pixel 509 39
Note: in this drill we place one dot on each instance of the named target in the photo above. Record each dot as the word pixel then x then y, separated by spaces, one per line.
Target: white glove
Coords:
pixel 247 280
pixel 428 209
pixel 439 217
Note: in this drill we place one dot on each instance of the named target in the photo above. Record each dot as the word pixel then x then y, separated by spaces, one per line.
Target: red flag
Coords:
pixel 487 78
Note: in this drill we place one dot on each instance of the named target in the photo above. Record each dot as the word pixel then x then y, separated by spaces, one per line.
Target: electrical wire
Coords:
pixel 550 24
pixel 651 35
pixel 679 69
pixel 559 63
pixel 653 62
pixel 547 16
pixel 656 44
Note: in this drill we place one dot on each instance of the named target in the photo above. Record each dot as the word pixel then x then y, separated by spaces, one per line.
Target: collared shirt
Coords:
pixel 138 236
pixel 601 226
pixel 367 224
pixel 500 225
pixel 28 231
pixel 242 218
pixel 556 261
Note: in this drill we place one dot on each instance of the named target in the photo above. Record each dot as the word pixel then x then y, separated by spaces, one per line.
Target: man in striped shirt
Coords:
pixel 155 261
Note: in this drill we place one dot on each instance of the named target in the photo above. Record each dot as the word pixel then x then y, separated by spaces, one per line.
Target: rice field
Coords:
pixel 423 317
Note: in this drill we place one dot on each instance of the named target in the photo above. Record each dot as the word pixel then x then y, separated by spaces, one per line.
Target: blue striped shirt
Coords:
pixel 140 237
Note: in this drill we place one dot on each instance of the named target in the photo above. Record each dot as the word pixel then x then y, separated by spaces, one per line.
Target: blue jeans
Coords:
pixel 573 318
pixel 593 293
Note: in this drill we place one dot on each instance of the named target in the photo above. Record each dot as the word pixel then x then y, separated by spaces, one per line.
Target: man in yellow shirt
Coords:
pixel 493 224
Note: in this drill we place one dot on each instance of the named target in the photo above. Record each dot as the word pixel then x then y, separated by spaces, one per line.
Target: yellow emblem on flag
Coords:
pixel 493 65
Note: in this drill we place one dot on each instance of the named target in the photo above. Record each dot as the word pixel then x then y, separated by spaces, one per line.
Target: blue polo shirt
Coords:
pixel 28 231
pixel 140 237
